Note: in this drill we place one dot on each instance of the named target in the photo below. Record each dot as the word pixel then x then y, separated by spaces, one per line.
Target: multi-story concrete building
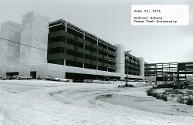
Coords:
pixel 132 64
pixel 71 46
pixel 60 49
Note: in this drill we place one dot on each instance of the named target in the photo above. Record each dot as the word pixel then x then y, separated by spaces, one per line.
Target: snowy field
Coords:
pixel 55 103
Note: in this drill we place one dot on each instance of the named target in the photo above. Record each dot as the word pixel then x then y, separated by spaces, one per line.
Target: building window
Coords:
pixel 90 40
pixel 56 39
pixel 111 49
pixel 74 63
pixel 89 66
pixel 102 52
pixel 74 53
pixel 90 57
pixel 102 45
pixel 74 32
pixel 92 49
pixel 57 28
pixel 75 43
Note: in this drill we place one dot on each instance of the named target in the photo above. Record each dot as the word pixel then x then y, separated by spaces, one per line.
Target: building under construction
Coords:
pixel 169 71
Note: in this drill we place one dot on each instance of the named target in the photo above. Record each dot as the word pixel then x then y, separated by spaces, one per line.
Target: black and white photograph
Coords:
pixel 96 62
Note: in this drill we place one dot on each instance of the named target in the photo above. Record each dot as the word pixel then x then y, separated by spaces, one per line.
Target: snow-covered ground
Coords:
pixel 54 103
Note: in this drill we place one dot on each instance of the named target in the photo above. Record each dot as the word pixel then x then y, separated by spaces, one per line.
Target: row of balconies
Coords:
pixel 82 58
pixel 132 58
pixel 132 73
pixel 90 66
pixel 77 50
pixel 132 64
pixel 73 30
pixel 132 61
pixel 81 44
pixel 83 65
pixel 133 69
pixel 63 50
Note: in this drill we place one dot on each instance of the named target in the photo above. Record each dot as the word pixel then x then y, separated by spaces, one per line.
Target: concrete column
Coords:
pixel 142 67
pixel 65 75
pixel 82 65
pixel 66 26
pixel 97 41
pixel 84 36
pixel 120 59
pixel 64 62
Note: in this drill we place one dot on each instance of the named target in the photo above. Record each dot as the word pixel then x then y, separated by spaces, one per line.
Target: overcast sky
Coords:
pixel 110 20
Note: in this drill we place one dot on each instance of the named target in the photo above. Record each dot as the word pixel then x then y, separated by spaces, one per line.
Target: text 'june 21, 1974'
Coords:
pixel 159 15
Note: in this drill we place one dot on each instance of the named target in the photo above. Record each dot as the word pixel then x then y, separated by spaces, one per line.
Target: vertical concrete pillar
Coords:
pixel 142 67
pixel 120 59
pixel 66 26
pixel 83 65
pixel 64 62
pixel 84 36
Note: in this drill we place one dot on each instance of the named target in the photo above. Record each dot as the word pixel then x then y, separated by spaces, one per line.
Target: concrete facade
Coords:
pixel 3 58
pixel 71 46
pixel 12 34
pixel 34 39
